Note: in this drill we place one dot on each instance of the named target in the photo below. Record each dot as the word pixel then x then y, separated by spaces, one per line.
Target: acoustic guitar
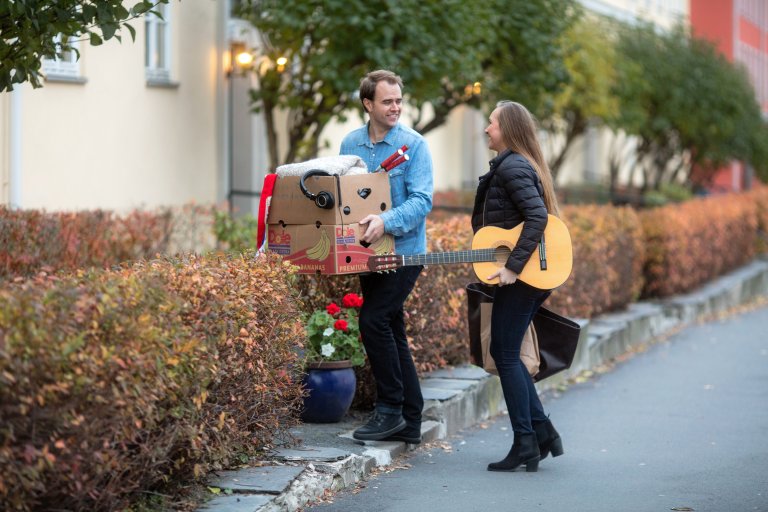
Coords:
pixel 549 266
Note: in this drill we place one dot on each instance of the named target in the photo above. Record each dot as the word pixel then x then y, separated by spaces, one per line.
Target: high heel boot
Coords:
pixel 549 439
pixel 525 451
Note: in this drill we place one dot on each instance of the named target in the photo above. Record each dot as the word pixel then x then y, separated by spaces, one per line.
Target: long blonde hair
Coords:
pixel 518 130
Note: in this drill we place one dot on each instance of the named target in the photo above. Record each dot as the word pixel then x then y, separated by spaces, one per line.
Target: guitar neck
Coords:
pixel 446 258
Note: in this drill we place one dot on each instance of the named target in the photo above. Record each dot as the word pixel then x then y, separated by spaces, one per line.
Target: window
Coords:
pixel 158 49
pixel 66 66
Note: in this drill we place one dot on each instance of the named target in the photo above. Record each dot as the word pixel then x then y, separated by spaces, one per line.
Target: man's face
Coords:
pixel 386 106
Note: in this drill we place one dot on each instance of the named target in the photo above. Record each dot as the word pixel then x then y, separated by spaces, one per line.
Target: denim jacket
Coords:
pixel 410 183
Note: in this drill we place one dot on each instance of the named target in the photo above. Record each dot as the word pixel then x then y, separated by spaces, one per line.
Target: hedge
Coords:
pixel 34 240
pixel 691 243
pixel 608 255
pixel 114 382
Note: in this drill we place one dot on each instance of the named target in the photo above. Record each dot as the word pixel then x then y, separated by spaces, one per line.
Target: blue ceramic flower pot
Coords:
pixel 331 388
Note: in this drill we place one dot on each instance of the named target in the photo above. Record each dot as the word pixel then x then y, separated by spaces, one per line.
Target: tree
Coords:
pixel 521 56
pixel 687 104
pixel 36 29
pixel 587 98
pixel 438 47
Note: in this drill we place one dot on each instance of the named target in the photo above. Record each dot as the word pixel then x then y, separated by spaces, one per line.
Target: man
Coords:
pixel 399 401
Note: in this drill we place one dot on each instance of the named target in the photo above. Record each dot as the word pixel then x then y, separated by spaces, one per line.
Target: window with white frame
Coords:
pixel 158 48
pixel 67 64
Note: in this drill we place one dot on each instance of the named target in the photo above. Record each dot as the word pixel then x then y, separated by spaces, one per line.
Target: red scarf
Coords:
pixel 264 201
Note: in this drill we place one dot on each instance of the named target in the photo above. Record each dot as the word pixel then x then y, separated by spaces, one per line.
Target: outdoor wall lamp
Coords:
pixel 281 62
pixel 473 89
pixel 240 58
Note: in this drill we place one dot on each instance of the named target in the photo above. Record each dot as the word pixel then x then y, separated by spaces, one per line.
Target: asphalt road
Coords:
pixel 682 426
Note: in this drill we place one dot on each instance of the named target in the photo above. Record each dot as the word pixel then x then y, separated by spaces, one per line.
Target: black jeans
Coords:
pixel 382 325
pixel 513 309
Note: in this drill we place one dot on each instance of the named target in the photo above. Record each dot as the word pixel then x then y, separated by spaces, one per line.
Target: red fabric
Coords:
pixel 266 198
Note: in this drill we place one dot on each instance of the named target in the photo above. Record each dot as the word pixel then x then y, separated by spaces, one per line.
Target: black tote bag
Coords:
pixel 557 335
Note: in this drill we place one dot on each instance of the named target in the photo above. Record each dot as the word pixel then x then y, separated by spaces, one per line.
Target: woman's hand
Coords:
pixel 505 276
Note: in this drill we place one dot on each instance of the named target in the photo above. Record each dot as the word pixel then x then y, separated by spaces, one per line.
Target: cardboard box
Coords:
pixel 355 196
pixel 325 249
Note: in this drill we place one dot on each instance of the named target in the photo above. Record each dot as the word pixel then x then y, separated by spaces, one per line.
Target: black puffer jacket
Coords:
pixel 510 193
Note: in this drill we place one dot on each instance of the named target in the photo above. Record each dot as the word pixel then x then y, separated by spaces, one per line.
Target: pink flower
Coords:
pixel 332 308
pixel 352 300
pixel 340 325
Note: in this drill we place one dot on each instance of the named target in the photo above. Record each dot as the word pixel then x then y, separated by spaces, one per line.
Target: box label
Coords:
pixel 331 249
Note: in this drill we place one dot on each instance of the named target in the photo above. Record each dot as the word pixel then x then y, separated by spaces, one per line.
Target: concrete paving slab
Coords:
pixel 461 372
pixel 264 479
pixel 460 384
pixel 438 394
pixel 238 503
pixel 312 454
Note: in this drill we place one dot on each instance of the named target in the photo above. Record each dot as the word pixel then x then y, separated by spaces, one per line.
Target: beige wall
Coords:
pixel 114 142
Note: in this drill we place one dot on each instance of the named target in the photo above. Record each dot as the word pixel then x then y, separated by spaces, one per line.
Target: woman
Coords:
pixel 518 188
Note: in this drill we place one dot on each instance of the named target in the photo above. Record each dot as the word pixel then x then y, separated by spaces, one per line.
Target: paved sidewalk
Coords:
pixel 328 457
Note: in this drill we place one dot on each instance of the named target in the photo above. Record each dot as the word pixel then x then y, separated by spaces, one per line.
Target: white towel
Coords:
pixel 339 164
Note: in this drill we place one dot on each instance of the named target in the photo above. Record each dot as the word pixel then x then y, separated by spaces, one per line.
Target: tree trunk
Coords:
pixel 269 123
pixel 575 129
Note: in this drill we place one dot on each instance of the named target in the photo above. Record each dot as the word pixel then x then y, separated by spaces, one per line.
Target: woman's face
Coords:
pixel 493 132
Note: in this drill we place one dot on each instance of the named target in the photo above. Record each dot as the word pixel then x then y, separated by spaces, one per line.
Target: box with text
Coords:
pixel 325 249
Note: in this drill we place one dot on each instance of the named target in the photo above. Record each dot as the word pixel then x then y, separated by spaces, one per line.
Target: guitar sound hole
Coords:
pixel 500 254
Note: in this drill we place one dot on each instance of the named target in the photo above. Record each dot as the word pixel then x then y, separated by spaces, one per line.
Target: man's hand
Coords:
pixel 375 229
pixel 505 276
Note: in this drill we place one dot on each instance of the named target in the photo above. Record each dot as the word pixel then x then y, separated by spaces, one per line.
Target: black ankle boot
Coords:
pixel 380 426
pixel 549 439
pixel 525 451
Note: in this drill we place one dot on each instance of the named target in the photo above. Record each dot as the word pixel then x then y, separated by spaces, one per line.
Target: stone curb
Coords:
pixel 457 398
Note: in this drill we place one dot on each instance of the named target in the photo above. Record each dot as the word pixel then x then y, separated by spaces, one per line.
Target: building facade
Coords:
pixel 162 121
pixel 132 125
pixel 739 30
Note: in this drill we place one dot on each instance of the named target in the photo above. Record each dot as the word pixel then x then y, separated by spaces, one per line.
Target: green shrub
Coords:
pixel 676 192
pixel 667 193
pixel 234 233
pixel 654 198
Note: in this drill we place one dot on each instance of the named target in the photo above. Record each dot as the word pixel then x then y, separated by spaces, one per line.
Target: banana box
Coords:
pixel 329 199
pixel 325 249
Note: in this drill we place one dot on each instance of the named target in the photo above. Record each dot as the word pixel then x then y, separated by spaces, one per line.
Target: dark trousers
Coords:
pixel 382 325
pixel 513 309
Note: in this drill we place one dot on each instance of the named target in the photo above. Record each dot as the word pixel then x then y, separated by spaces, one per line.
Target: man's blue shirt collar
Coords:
pixel 388 138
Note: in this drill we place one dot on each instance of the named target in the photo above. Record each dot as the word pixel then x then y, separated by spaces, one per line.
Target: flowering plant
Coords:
pixel 334 333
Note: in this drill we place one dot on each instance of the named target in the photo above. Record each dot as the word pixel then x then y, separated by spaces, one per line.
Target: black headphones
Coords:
pixel 323 199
